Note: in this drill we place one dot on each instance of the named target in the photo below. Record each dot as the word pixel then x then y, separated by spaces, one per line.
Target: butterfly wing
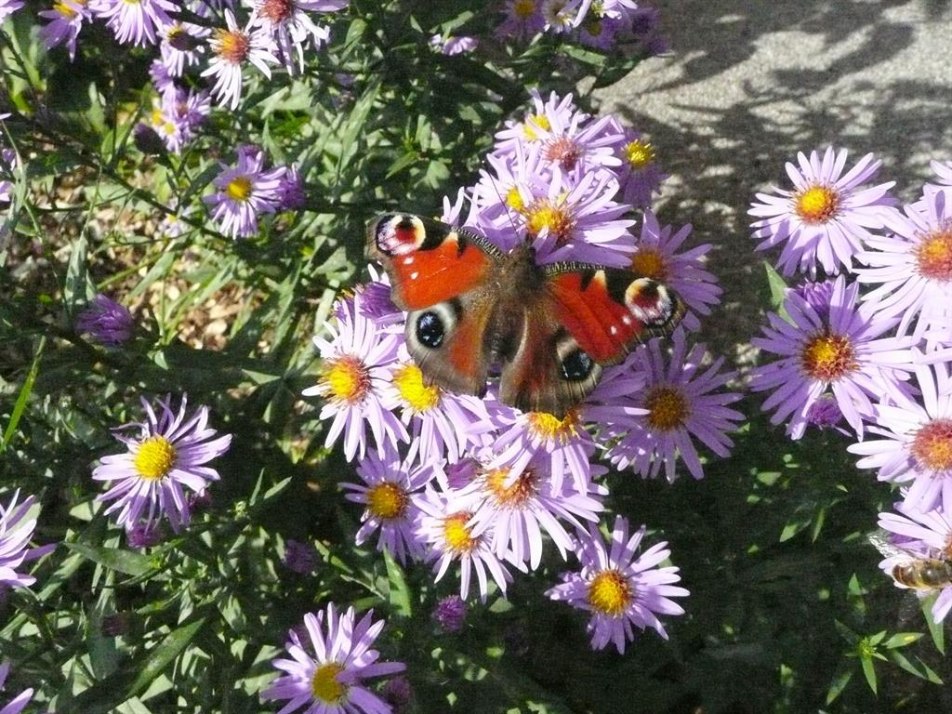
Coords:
pixel 442 277
pixel 583 319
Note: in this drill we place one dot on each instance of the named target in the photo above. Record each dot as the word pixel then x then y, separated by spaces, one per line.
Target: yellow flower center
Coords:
pixel 817 204
pixel 345 379
pixel 667 408
pixel 551 428
pixel 828 357
pixel 638 153
pixel 457 534
pixel 418 396
pixel 387 501
pixel 609 593
pixel 932 445
pixel 533 122
pixel 524 8
pixel 324 684
pixel 239 188
pixel 934 255
pixel 514 494
pixel 68 10
pixel 544 214
pixel 233 45
pixel 650 263
pixel 514 200
pixel 155 458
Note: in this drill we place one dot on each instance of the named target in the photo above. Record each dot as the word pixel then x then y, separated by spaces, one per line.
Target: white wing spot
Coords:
pixel 614 330
pixel 626 319
pixel 408 260
pixel 414 275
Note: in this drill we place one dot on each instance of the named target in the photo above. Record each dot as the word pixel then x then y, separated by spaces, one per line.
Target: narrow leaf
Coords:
pixel 163 654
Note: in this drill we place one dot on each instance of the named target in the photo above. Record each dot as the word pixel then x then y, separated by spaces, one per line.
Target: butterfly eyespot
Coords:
pixel 651 302
pixel 576 366
pixel 399 234
pixel 430 330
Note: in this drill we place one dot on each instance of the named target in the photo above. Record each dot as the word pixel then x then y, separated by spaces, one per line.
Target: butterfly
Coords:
pixel 549 329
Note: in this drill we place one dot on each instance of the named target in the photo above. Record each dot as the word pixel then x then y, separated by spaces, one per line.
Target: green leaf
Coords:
pixel 23 397
pixel 77 288
pixel 869 671
pixel 902 639
pixel 838 685
pixel 123 561
pixel 936 629
pixel 778 290
pixel 160 657
pixel 399 590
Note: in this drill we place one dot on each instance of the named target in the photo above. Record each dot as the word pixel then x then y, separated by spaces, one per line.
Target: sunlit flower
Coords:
pixel 137 22
pixel 231 49
pixel 837 348
pixel 166 454
pixel 454 45
pixel 8 7
pixel 290 27
pixel 16 530
pixel 640 174
pixel 244 192
pixel 66 19
pixel 354 369
pixel 181 45
pixel 106 321
pixel 826 217
pixel 522 21
pixel 326 674
pixel 911 441
pixel 620 589
pixel 387 491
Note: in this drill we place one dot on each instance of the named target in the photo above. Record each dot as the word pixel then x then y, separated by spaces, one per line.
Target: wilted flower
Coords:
pixel 450 613
pixel 618 587
pixel 330 680
pixel 299 557
pixel 106 321
pixel 166 456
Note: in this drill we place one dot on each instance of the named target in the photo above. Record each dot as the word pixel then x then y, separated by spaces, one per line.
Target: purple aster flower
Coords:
pixel 181 45
pixel 514 509
pixel 523 20
pixel 917 536
pixel 66 19
pixel 912 268
pixel 16 530
pixel 916 440
pixel 8 7
pixel 144 535
pixel 640 175
pixel 244 192
pixel 353 372
pixel 454 45
pixel 398 693
pixel 387 492
pixel 561 16
pixel 657 257
pixel 177 115
pixel 291 196
pixel 839 349
pixel 825 413
pixel 169 452
pixel 232 48
pixel 443 424
pixel 450 613
pixel 684 402
pixel 618 587
pixel 137 22
pixel 331 680
pixel 376 301
pixel 599 31
pixel 445 529
pixel 554 111
pixel 291 30
pixel 106 321
pixel 827 216
pixel 299 557
pixel 19 702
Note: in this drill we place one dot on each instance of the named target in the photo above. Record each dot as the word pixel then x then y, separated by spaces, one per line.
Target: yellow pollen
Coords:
pixel 66 9
pixel 609 593
pixel 239 188
pixel 524 8
pixel 533 122
pixel 233 45
pixel 387 501
pixel 818 204
pixel 649 263
pixel 324 684
pixel 543 214
pixel 932 445
pixel 515 493
pixel 345 379
pixel 457 534
pixel 934 256
pixel 419 397
pixel 550 427
pixel 638 153
pixel 514 200
pixel 155 458
pixel 667 408
pixel 828 357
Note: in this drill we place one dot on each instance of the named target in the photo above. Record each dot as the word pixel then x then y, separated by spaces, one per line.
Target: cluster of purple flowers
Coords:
pixel 471 483
pixel 603 24
pixel 878 360
pixel 248 190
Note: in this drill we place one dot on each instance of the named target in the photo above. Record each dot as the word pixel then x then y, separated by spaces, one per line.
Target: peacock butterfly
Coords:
pixel 549 328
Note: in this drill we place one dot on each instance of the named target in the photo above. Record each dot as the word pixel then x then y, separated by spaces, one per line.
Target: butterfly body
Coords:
pixel 548 329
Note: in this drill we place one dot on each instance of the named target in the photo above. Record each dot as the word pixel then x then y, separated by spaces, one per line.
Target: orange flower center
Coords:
pixel 457 534
pixel 233 45
pixel 543 214
pixel 387 501
pixel 512 494
pixel 649 263
pixel 932 445
pixel 817 204
pixel 564 152
pixel 934 256
pixel 828 357
pixel 667 408
pixel 551 428
pixel 345 379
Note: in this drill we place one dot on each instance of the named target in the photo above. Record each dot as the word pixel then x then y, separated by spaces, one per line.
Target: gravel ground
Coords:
pixel 751 82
